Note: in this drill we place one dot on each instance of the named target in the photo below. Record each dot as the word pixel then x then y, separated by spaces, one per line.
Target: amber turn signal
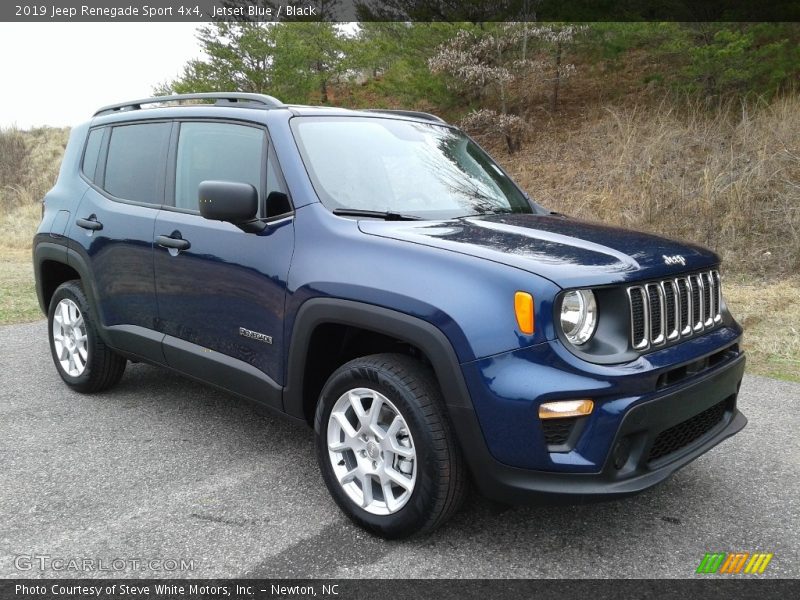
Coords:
pixel 523 307
pixel 565 408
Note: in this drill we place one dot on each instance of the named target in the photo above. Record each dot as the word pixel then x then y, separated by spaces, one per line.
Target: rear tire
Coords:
pixel 403 452
pixel 81 357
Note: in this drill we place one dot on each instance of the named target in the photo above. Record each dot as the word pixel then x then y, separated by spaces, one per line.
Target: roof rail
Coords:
pixel 408 113
pixel 235 99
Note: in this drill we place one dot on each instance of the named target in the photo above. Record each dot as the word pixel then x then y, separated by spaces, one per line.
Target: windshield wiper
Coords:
pixel 378 214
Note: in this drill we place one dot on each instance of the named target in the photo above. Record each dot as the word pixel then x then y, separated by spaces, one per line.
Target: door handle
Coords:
pixel 92 224
pixel 174 243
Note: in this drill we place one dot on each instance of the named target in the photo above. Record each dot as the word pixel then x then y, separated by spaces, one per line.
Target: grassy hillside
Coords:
pixel 727 178
pixel 29 163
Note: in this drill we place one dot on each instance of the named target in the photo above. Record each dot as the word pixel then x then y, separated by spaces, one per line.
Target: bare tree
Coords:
pixel 557 38
pixel 481 62
pixel 487 60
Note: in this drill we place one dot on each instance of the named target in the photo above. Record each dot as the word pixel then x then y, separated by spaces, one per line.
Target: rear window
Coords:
pixel 137 157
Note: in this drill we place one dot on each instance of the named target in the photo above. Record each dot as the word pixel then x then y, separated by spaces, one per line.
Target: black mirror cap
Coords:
pixel 227 201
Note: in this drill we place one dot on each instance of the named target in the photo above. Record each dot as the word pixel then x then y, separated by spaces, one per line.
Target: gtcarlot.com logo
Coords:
pixel 46 562
pixel 734 563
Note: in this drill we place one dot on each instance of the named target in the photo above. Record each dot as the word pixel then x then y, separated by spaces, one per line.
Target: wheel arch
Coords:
pixel 51 269
pixel 301 394
pixel 55 264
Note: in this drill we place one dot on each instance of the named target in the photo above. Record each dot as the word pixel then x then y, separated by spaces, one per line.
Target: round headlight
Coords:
pixel 578 316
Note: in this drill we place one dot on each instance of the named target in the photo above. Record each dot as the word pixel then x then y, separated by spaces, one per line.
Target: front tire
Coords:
pixel 385 447
pixel 81 357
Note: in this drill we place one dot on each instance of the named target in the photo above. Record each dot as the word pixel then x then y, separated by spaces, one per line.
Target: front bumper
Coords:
pixel 629 457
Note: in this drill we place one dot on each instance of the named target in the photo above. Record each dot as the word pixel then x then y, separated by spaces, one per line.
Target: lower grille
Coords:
pixel 683 434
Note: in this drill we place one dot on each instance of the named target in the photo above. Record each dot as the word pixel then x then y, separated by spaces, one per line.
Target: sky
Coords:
pixel 59 74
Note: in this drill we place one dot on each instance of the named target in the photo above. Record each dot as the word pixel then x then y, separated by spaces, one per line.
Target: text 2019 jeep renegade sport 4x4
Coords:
pixel 376 275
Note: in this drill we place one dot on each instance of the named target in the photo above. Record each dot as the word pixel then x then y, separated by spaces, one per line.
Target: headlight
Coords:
pixel 578 316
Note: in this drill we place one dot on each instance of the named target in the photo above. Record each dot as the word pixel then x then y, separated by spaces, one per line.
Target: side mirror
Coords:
pixel 235 203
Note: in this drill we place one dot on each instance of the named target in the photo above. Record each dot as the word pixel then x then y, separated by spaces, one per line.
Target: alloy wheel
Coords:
pixel 69 338
pixel 371 451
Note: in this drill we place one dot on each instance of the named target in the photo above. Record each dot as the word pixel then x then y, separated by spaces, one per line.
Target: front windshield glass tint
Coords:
pixel 418 169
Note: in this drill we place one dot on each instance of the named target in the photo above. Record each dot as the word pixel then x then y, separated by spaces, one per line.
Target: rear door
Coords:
pixel 221 299
pixel 113 228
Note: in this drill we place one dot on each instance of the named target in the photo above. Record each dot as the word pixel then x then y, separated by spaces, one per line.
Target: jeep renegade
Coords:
pixel 376 275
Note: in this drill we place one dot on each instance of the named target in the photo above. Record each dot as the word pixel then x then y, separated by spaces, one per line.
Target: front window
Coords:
pixel 417 169
pixel 216 151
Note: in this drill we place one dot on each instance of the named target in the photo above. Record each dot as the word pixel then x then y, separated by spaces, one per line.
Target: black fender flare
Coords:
pixel 49 251
pixel 420 333
pixel 42 252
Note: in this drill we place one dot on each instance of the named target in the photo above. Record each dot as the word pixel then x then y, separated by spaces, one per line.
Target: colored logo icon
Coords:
pixel 734 563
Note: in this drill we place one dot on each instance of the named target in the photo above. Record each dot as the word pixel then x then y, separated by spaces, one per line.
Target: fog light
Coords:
pixel 565 408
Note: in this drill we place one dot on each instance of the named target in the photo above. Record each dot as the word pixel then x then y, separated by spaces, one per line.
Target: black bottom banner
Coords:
pixel 396 589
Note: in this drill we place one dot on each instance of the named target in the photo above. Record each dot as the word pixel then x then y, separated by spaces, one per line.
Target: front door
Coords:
pixel 220 290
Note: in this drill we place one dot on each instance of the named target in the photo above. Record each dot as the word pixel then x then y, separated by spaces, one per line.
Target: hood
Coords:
pixel 569 252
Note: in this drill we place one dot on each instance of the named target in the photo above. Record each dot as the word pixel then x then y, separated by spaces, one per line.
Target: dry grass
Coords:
pixel 727 178
pixel 770 315
pixel 18 302
pixel 19 223
pixel 29 163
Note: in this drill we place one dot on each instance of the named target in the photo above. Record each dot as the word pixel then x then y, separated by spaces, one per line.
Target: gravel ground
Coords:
pixel 163 468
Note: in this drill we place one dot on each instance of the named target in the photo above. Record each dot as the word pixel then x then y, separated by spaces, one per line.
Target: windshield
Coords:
pixel 417 169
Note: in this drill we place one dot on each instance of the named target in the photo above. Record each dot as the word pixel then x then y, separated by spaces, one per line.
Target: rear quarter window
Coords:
pixel 92 153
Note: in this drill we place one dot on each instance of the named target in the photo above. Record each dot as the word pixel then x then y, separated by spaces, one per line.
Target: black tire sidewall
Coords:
pixel 73 291
pixel 416 512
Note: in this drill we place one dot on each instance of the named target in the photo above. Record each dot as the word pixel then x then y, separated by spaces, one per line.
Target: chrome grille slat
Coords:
pixel 655 296
pixel 712 292
pixel 696 287
pixel 685 297
pixel 708 302
pixel 717 296
pixel 640 317
pixel 671 309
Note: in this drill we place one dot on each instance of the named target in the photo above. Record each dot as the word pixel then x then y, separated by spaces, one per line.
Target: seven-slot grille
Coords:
pixel 664 311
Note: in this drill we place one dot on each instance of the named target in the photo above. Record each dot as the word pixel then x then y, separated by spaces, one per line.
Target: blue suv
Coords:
pixel 374 274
